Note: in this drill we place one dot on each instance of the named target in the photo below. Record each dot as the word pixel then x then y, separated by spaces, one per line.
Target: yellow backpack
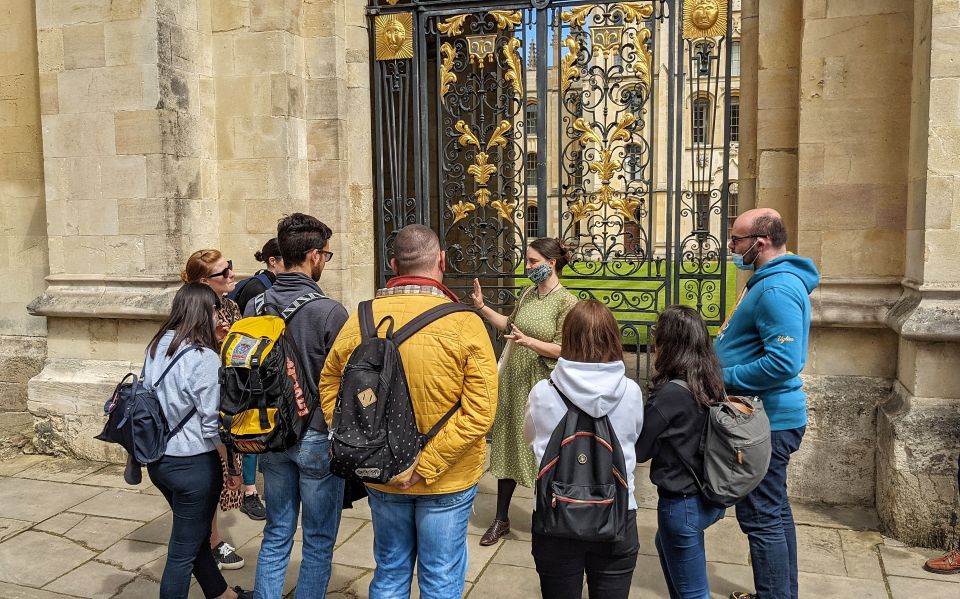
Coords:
pixel 264 405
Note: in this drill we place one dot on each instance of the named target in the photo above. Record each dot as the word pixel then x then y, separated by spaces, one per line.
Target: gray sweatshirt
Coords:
pixel 193 381
pixel 313 329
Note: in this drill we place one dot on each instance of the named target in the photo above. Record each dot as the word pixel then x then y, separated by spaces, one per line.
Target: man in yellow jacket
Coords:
pixel 421 516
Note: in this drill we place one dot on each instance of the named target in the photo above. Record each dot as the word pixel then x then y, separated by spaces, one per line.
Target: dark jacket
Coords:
pixel 313 329
pixel 673 422
pixel 253 287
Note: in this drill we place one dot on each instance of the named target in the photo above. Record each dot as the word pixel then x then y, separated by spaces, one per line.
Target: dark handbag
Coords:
pixel 135 419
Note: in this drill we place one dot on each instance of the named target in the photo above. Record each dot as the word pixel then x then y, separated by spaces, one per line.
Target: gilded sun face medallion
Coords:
pixel 394 35
pixel 704 18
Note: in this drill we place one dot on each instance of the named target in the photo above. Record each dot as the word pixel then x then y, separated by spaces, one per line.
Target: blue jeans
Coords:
pixel 680 525
pixel 249 468
pixel 427 530
pixel 767 520
pixel 299 477
pixel 191 485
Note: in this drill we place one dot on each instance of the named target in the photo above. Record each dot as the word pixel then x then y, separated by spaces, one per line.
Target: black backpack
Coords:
pixel 238 289
pixel 136 420
pixel 375 434
pixel 582 491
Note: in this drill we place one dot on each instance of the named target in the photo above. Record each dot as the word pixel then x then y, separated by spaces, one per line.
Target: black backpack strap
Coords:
pixel 259 303
pixel 176 358
pixel 183 422
pixel 422 320
pixel 300 302
pixel 439 425
pixel 365 316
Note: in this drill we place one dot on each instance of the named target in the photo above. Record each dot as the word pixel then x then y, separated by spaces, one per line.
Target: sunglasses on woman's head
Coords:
pixel 222 273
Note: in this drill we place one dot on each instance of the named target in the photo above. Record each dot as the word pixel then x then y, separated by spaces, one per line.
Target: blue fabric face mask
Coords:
pixel 738 258
pixel 540 273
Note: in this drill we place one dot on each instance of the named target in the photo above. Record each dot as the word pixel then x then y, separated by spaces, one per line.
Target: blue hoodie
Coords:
pixel 763 347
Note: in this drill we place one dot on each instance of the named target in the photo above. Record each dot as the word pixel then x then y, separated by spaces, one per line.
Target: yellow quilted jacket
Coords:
pixel 448 360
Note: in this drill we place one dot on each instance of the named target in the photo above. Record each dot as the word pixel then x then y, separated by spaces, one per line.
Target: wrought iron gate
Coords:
pixel 499 121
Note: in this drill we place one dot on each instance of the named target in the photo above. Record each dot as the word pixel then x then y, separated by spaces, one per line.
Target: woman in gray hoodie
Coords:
pixel 591 373
pixel 189 475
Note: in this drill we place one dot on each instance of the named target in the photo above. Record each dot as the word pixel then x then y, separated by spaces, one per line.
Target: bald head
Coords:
pixel 762 221
pixel 416 249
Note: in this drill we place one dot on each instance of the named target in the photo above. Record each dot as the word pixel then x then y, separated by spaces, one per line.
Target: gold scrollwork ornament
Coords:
pixel 447 76
pixel 704 18
pixel 394 36
pixel 506 19
pixel 634 12
pixel 461 210
pixel 568 69
pixel 514 74
pixel 642 67
pixel 452 26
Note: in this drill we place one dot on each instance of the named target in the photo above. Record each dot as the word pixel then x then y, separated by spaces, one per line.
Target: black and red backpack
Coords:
pixel 582 491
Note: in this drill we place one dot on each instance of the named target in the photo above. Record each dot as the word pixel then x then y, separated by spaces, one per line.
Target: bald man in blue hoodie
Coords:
pixel 763 348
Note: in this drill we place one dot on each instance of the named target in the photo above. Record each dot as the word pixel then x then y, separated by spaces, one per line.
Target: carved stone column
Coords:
pixel 918 424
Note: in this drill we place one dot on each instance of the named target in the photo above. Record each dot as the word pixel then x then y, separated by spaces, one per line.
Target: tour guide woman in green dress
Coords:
pixel 533 333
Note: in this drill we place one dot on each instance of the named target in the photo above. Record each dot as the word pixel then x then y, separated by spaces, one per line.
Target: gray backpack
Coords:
pixel 736 449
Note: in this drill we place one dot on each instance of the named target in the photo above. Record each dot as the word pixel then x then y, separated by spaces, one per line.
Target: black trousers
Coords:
pixel 191 485
pixel 561 564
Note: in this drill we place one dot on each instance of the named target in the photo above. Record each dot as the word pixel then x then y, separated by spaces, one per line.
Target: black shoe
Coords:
pixel 741 595
pixel 227 557
pixel 132 474
pixel 242 594
pixel 253 507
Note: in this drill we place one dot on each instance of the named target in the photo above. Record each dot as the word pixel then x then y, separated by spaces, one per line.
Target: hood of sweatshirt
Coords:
pixel 803 268
pixel 594 387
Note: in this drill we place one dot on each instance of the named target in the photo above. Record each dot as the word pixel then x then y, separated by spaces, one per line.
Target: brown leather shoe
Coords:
pixel 496 530
pixel 948 564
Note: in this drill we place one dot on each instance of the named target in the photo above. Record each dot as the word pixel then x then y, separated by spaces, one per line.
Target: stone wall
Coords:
pixel 23 228
pixel 173 125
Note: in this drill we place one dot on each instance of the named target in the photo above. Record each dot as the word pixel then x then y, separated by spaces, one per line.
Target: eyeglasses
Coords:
pixel 222 273
pixel 327 255
pixel 734 239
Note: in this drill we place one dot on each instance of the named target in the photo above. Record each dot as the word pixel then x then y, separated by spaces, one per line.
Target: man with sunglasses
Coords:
pixel 298 482
pixel 762 347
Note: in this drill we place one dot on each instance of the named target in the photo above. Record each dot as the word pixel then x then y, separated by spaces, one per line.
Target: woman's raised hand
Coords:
pixel 477 294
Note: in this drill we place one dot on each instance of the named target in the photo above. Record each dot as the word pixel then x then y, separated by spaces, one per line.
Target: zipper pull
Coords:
pixel 739 456
pixel 553 502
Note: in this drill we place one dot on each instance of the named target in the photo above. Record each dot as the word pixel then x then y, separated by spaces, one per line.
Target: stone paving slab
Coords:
pixel 126 505
pixel 13 591
pixel 819 550
pixel 131 555
pixel 92 579
pixel 61 471
pixel 95 532
pixel 112 476
pixel 10 527
pixel 907 562
pixel 20 463
pixel 822 585
pixel 140 588
pixel 36 558
pixel 912 588
pixel 861 554
pixel 60 523
pixel 37 500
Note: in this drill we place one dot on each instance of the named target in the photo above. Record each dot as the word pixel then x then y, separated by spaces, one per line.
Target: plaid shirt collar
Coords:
pixel 411 290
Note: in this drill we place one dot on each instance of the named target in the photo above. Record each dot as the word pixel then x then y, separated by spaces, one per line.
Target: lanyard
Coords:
pixel 726 322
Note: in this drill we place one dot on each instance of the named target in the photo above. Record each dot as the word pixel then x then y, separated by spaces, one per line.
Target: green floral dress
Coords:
pixel 511 456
